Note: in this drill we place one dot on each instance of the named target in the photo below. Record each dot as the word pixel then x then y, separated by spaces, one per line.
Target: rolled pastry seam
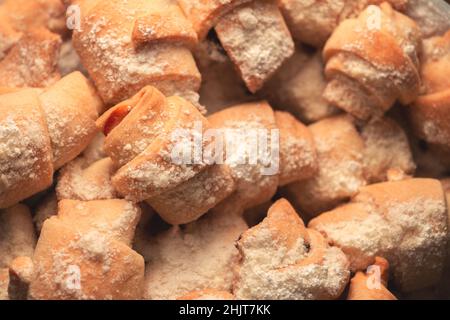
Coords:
pixel 281 259
pixel 393 220
pixel 71 107
pixel 239 125
pixel 257 40
pixel 206 14
pixel 429 113
pixel 32 61
pixel 147 167
pixel 18 235
pixel 360 58
pixel 289 157
pixel 372 284
pixel 387 153
pixel 126 46
pixel 207 294
pixel 202 254
pixel 351 155
pixel 26 165
pixel 84 253
pixel 144 134
pixel 28 15
pixel 340 157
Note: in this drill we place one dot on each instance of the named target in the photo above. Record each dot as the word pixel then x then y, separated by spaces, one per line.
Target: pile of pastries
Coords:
pixel 92 205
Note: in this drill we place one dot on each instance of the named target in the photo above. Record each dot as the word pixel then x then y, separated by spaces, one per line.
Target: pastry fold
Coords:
pixel 372 284
pixel 202 255
pixel 372 61
pixel 313 21
pixel 148 139
pixel 402 221
pixel 126 45
pixel 41 130
pixel 288 155
pixel 282 259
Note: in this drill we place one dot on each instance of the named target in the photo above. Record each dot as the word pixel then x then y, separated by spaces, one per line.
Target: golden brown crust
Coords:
pixel 19 17
pixel 312 22
pixel 403 221
pixel 205 14
pixel 84 253
pixel 144 133
pixel 24 136
pixel 71 106
pixel 370 63
pixel 117 46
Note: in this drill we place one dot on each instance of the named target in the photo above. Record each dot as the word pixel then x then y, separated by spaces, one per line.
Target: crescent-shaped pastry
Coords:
pixel 40 131
pixel 372 61
pixel 281 259
pixel 207 294
pixel 293 158
pixel 371 285
pixel 313 21
pixel 429 113
pixel 205 14
pixel 202 255
pixel 126 45
pixel 85 253
pixel 340 151
pixel 252 32
pixel 403 221
pixel 349 157
pixel 147 138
